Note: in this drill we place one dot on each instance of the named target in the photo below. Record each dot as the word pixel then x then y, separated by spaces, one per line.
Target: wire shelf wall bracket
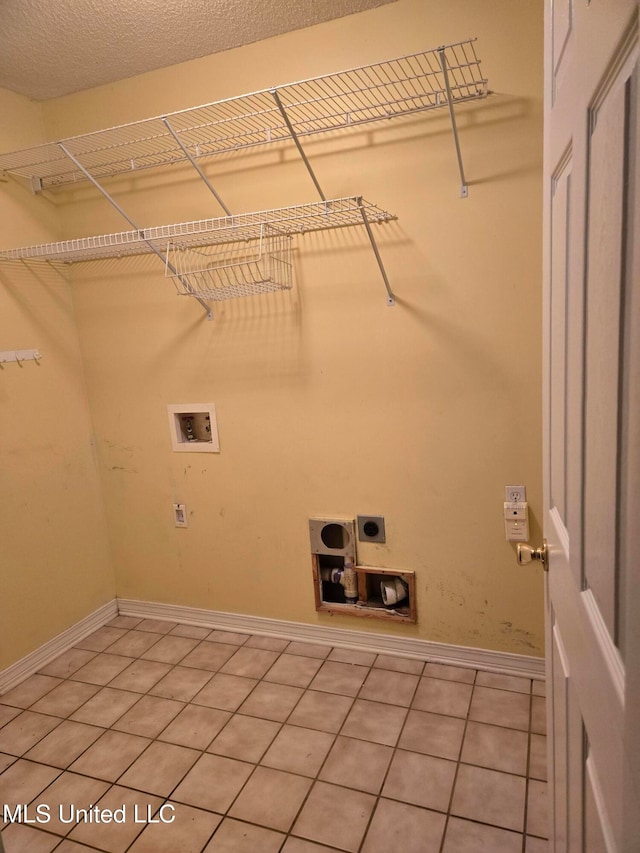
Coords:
pixel 433 79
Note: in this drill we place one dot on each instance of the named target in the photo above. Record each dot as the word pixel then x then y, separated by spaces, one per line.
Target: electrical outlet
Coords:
pixel 180 515
pixel 515 494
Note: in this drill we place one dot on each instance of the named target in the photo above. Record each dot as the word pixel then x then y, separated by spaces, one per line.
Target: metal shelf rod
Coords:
pixel 196 166
pixel 294 136
pixel 390 297
pixel 126 216
pixel 464 189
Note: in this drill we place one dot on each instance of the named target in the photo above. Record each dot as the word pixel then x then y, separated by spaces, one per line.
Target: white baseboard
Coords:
pixel 26 666
pixel 501 662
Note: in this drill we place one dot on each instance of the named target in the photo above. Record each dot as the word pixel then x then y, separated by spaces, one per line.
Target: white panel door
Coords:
pixel 591 436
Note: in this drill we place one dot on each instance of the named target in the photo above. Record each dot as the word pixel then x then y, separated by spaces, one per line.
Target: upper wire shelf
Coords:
pixel 297 219
pixel 370 93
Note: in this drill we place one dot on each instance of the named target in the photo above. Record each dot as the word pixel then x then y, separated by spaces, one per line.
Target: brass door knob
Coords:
pixel 526 554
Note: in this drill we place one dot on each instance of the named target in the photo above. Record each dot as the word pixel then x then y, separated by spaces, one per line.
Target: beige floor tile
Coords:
pixel 149 716
pixel 432 734
pixel 182 683
pixel 106 707
pixel 346 679
pixel 357 764
pixel 101 639
pixel 68 846
pixel 193 631
pixel 537 817
pixel 226 692
pixel 490 797
pixel 8 713
pixel 134 643
pixel 300 845
pixel 374 721
pixel 209 656
pixel 245 738
pixel 170 649
pixel 298 750
pixel 442 697
pixel 102 669
pixel 396 664
pixel 504 682
pixel 395 688
pixel 67 663
pixel 29 691
pixel 538 757
pixel 539 688
pixel 64 744
pixel 271 798
pixel 213 783
pixel 536 845
pixel 310 650
pixel 353 656
pixel 249 662
pixel 25 730
pixel 160 768
pixel 273 644
pixel 116 837
pixel 350 812
pixel 140 676
pixel 156 626
pixel 195 726
pixel 538 715
pixel 233 836
pixel 463 836
pixel 23 781
pixel 110 755
pixel 495 747
pixel 271 701
pixel 188 832
pixel 450 673
pixel 68 792
pixel 294 670
pixel 66 698
pixel 399 826
pixel 126 622
pixel 231 637
pixel 323 711
pixel 18 838
pixel 6 761
pixel 421 780
pixel 500 708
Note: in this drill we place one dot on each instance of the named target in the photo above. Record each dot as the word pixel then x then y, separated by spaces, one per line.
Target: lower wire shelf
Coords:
pixel 221 258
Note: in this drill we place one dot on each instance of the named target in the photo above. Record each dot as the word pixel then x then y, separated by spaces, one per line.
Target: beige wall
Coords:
pixel 329 402
pixel 54 562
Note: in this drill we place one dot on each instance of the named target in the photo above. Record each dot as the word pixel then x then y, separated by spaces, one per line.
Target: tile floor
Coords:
pixel 196 740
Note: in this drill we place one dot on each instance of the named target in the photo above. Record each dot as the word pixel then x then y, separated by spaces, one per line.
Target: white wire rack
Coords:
pixel 297 219
pixel 432 79
pixel 241 268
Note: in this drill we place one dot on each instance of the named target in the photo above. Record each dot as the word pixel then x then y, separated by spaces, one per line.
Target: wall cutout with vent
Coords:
pixel 343 586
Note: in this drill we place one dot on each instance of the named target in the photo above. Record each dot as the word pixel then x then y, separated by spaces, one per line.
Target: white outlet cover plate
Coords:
pixel 515 494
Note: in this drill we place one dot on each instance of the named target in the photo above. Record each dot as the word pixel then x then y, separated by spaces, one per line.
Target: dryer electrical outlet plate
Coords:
pixel 371 528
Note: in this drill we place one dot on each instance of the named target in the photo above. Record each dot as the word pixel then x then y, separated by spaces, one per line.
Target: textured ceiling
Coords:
pixel 50 48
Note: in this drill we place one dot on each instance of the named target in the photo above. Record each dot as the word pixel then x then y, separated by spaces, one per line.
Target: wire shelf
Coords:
pixel 240 268
pixel 370 93
pixel 297 219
